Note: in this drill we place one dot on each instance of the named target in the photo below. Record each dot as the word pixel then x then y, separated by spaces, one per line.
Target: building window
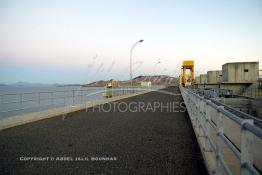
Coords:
pixel 245 70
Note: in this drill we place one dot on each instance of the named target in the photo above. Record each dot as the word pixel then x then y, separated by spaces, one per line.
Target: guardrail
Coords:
pixel 202 112
pixel 253 92
pixel 20 103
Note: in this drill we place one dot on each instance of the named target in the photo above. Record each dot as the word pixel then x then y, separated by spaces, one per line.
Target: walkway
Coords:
pixel 151 142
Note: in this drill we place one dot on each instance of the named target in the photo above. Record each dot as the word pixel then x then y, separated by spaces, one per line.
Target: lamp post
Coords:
pixel 155 69
pixel 131 73
pixel 155 66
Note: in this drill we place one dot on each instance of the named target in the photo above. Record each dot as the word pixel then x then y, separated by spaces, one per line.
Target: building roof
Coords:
pixel 254 62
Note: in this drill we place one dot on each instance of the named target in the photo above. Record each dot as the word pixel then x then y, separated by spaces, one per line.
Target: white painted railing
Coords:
pixel 206 116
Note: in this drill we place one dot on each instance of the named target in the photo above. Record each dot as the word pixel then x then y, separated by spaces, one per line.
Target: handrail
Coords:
pixel 197 109
pixel 254 129
pixel 17 103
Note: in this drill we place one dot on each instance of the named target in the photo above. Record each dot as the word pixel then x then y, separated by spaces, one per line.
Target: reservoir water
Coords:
pixel 16 100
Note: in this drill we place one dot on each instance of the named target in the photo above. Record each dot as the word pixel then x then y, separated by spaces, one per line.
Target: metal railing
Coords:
pixel 201 112
pixel 254 92
pixel 21 103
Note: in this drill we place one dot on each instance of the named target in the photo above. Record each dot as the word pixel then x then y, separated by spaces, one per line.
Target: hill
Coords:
pixel 156 80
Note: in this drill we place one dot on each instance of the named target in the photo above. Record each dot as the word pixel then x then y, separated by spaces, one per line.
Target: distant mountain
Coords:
pixel 63 85
pixel 100 83
pixel 26 84
pixel 156 80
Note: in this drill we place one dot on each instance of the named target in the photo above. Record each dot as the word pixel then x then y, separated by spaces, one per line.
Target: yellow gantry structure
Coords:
pixel 108 88
pixel 187 79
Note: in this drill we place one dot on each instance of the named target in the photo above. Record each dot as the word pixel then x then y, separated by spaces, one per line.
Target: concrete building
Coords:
pixel 145 83
pixel 203 78
pixel 239 76
pixel 197 79
pixel 240 72
pixel 214 77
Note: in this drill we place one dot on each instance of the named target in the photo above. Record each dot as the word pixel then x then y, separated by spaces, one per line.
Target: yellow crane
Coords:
pixel 187 76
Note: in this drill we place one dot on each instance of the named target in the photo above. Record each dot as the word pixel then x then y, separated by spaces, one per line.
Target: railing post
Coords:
pixel 39 95
pixel 52 98
pixel 200 116
pixel 191 97
pixel 1 101
pixel 73 97
pixel 21 101
pixel 64 98
pixel 194 110
pixel 219 141
pixel 207 123
pixel 247 139
pixel 187 99
pixel 197 111
pixel 81 96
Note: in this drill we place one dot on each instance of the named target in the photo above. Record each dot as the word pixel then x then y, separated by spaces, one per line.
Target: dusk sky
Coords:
pixel 75 41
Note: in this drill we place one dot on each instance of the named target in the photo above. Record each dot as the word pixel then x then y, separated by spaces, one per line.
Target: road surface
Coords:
pixel 156 140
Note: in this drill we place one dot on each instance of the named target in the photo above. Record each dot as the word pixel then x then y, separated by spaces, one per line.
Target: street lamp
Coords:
pixel 155 69
pixel 155 66
pixel 131 74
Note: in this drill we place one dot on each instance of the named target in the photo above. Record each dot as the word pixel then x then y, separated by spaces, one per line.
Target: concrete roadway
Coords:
pixel 159 142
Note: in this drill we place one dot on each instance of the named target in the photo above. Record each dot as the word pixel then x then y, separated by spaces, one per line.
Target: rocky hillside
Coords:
pixel 156 80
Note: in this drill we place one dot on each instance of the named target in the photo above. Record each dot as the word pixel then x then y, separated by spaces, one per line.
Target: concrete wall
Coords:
pixel 203 78
pixel 213 77
pixel 237 89
pixel 240 72
pixel 212 86
pixel 203 86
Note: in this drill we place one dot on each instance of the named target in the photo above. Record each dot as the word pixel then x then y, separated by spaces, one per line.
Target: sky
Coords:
pixel 62 41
